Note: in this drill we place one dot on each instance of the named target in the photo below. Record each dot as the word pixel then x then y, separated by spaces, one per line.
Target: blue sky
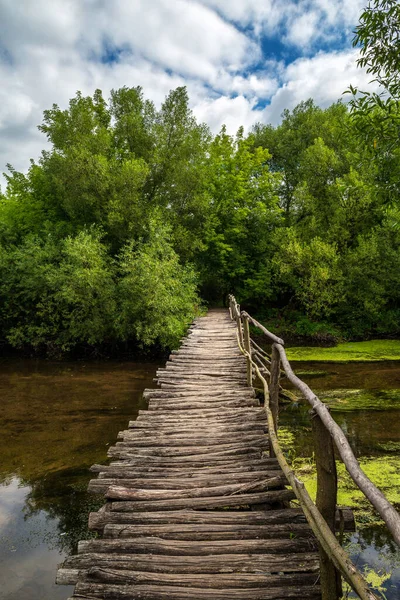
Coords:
pixel 242 61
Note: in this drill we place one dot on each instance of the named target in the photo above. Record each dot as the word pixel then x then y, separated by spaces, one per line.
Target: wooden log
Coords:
pixel 190 420
pixel 227 404
pixel 157 393
pixel 166 429
pixel 225 463
pixel 273 497
pixel 170 441
pixel 177 548
pixel 193 377
pixel 274 386
pixel 132 470
pixel 220 581
pixel 211 414
pixel 101 485
pixel 208 532
pixel 168 383
pixel 89 591
pixel 234 359
pixel 188 372
pixel 188 452
pixel 162 447
pixel 232 455
pixel 209 564
pixel 326 500
pixel 186 403
pixel 126 493
pixel 122 477
pixel 232 580
pixel 98 520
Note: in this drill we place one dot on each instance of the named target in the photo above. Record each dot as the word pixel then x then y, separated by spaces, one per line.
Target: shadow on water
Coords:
pixel 56 421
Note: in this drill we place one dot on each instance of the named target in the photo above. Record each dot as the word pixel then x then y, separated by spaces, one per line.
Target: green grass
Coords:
pixel 374 350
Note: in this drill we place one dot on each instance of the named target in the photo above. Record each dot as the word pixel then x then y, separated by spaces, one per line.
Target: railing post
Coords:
pixel 247 347
pixel 274 387
pixel 239 324
pixel 230 307
pixel 331 587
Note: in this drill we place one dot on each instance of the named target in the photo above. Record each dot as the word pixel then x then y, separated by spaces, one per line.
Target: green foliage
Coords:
pixel 312 270
pixel 376 115
pixel 106 239
pixel 157 295
pixel 243 208
pixel 57 295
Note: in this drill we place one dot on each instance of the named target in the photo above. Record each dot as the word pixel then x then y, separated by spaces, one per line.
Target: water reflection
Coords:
pixel 56 421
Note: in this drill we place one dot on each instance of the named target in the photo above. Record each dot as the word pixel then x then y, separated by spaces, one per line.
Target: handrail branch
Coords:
pixel 326 538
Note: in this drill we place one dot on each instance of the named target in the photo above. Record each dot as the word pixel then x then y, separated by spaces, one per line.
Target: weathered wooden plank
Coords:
pixel 124 492
pixel 227 404
pixel 230 463
pixel 208 532
pixel 187 471
pixel 192 458
pixel 122 477
pixel 209 564
pixel 217 581
pixel 272 497
pixel 210 393
pixel 150 545
pixel 211 414
pixel 97 520
pixel 170 441
pixel 88 591
pixel 204 446
pixel 207 401
pixel 166 429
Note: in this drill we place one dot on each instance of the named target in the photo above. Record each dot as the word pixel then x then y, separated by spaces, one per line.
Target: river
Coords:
pixel 57 419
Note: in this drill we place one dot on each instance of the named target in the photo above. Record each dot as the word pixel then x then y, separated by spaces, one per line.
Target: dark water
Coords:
pixel 56 420
pixel 365 402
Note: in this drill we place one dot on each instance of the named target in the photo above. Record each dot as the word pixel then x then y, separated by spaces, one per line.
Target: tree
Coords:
pixel 157 294
pixel 377 114
pixel 288 141
pixel 243 209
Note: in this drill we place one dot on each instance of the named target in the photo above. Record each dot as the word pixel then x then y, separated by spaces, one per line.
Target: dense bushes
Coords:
pixel 133 211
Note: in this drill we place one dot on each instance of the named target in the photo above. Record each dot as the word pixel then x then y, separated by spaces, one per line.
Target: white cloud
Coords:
pixel 49 49
pixel 232 112
pixel 303 29
pixel 285 18
pixel 323 77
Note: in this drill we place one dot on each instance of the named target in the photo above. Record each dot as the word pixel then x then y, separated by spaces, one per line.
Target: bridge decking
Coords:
pixel 196 509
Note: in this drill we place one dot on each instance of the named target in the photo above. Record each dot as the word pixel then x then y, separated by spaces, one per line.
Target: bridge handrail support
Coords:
pixel 325 476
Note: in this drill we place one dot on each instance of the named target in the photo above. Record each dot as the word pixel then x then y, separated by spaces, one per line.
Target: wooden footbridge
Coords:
pixel 198 494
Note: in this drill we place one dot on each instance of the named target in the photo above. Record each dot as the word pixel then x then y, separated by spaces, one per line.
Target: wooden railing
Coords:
pixel 327 435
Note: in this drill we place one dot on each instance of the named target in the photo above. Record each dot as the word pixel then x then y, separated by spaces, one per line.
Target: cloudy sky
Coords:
pixel 243 61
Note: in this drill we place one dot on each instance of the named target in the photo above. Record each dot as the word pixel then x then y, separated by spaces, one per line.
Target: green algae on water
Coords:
pixel 384 472
pixel 311 373
pixel 371 351
pixel 349 400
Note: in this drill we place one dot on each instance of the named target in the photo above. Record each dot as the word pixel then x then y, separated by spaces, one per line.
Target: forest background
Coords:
pixel 138 217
